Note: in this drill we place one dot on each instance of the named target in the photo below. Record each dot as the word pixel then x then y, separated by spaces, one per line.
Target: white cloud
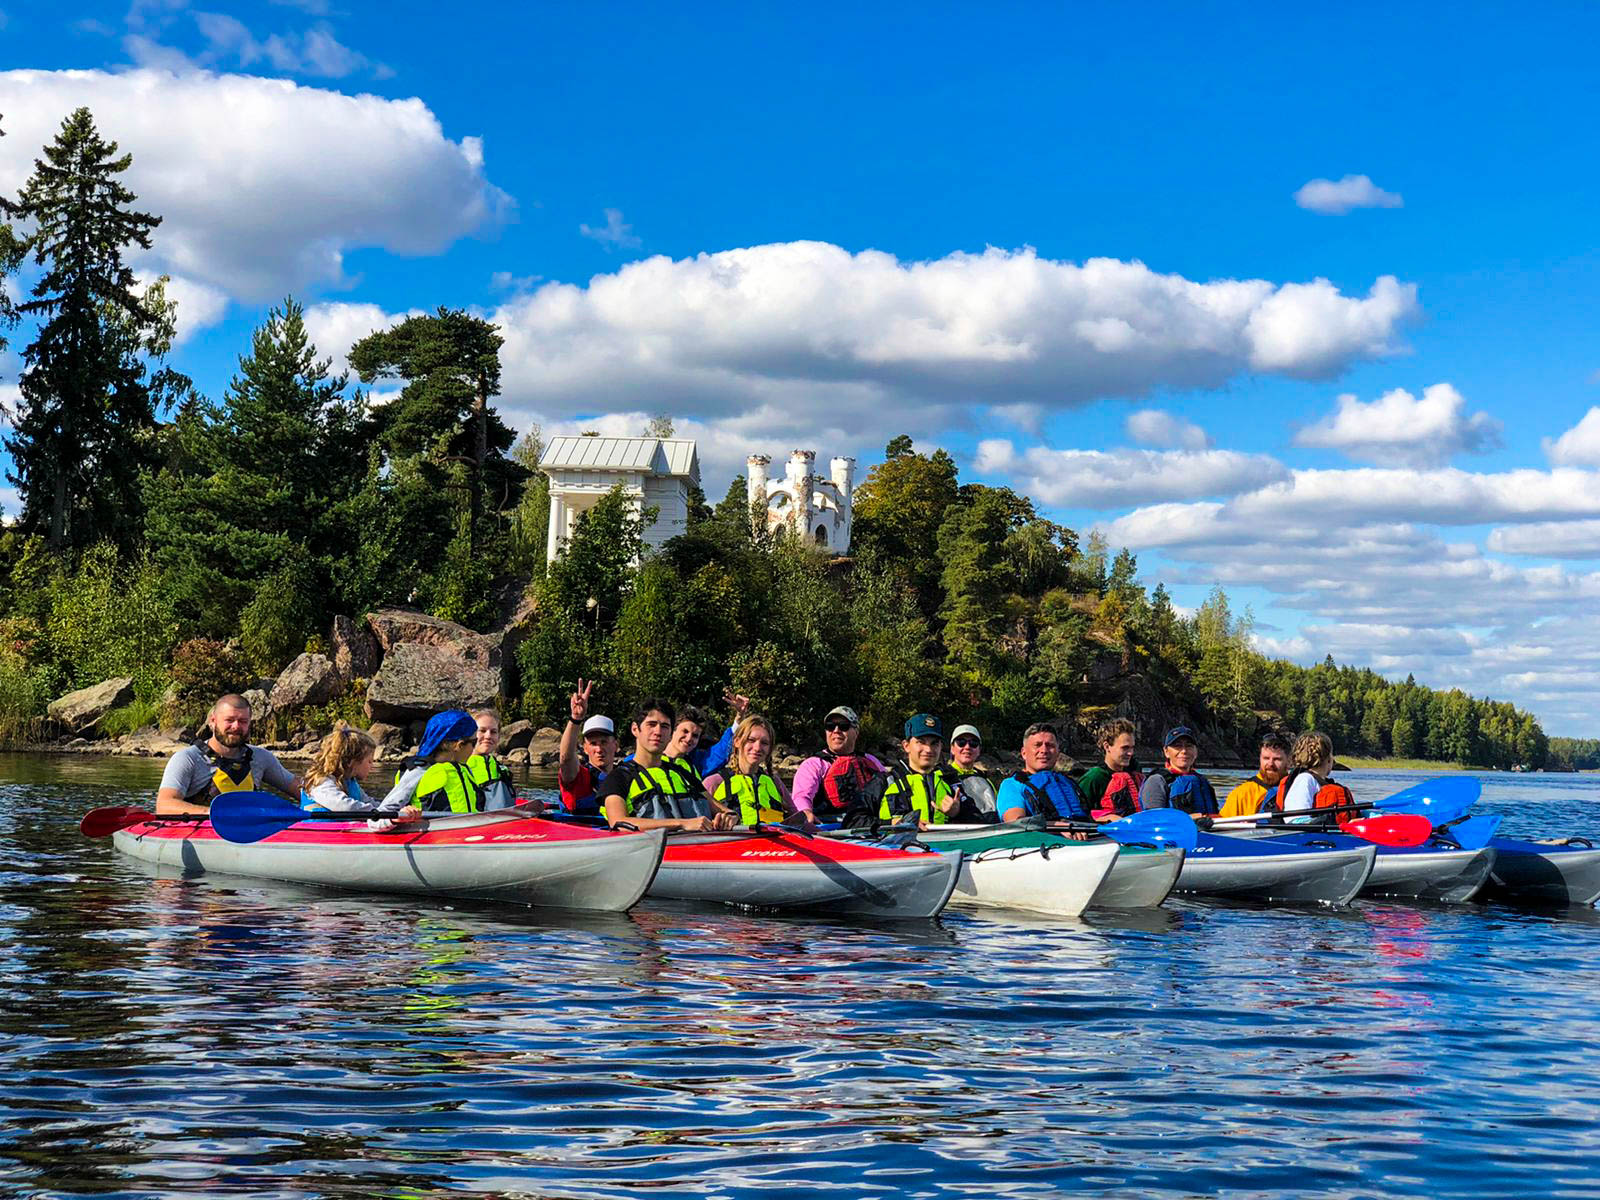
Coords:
pixel 1401 430
pixel 1164 430
pixel 1116 478
pixel 615 233
pixel 263 184
pixel 1548 539
pixel 199 306
pixel 1335 198
pixel 315 52
pixel 1578 446
pixel 334 328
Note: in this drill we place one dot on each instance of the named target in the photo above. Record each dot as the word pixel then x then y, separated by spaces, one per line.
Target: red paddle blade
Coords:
pixel 103 822
pixel 1393 829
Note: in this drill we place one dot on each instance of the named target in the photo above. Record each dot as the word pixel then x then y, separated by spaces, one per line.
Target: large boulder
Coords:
pixel 83 708
pixel 260 705
pixel 355 649
pixel 399 626
pixel 417 680
pixel 545 747
pixel 309 679
pixel 516 736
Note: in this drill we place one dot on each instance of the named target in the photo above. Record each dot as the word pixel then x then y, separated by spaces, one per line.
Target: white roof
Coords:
pixel 657 456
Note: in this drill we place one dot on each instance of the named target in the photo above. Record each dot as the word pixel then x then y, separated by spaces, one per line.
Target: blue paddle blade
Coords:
pixel 1446 798
pixel 1474 833
pixel 252 816
pixel 1154 826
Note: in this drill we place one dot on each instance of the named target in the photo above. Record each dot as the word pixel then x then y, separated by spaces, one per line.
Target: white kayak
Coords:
pixel 1005 866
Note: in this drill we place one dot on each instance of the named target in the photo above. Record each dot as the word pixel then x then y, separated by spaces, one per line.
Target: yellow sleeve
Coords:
pixel 1244 801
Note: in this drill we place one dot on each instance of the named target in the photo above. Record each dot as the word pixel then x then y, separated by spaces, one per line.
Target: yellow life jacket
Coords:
pixel 229 775
pixel 668 792
pixel 445 787
pixel 493 783
pixel 755 797
pixel 920 795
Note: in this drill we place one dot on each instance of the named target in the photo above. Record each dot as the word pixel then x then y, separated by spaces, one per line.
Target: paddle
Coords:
pixel 252 816
pixel 1159 825
pixel 103 822
pixel 1443 799
pixel 1471 833
pixel 1399 830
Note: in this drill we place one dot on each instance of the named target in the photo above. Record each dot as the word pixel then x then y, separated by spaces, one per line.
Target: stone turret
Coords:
pixel 843 472
pixel 756 483
pixel 802 467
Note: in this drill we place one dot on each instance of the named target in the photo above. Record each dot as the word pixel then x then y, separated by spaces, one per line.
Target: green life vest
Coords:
pixel 909 794
pixel 665 793
pixel 445 787
pixel 492 782
pixel 755 797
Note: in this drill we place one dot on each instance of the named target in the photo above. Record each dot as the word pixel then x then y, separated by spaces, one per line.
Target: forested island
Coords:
pixel 197 545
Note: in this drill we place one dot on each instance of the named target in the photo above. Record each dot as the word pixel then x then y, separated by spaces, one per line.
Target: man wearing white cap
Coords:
pixel 581 780
pixel 968 777
pixel 830 785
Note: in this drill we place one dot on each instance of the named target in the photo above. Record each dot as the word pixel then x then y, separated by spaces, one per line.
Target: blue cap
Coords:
pixel 452 725
pixel 924 725
pixel 1178 733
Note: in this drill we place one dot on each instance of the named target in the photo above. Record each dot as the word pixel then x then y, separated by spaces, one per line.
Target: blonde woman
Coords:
pixel 746 786
pixel 1309 786
pixel 333 784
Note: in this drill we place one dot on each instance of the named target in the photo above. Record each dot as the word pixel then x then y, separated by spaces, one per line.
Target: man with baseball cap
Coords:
pixel 968 777
pixel 1178 785
pixel 917 787
pixel 581 780
pixel 839 782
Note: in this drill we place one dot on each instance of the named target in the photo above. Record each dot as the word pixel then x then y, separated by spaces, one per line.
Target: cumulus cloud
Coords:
pixel 334 328
pixel 263 184
pixel 1153 427
pixel 1548 539
pixel 1337 197
pixel 614 234
pixel 1578 446
pixel 1403 430
pixel 1116 478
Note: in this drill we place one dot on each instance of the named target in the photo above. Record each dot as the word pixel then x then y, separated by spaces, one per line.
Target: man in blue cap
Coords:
pixel 1178 785
pixel 436 779
pixel 917 787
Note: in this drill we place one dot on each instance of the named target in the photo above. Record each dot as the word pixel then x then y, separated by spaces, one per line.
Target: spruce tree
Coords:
pixel 85 426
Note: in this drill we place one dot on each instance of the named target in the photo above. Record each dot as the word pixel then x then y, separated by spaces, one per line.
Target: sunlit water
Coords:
pixel 229 1037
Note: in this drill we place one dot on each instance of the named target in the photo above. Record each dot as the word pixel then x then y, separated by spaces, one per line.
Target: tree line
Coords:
pixel 195 542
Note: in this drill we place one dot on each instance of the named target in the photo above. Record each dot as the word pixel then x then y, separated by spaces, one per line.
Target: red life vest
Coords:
pixel 844 785
pixel 1332 799
pixel 1121 798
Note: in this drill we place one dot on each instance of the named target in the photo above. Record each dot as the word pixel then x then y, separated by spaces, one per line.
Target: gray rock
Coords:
pixel 417 680
pixel 355 649
pixel 83 708
pixel 398 626
pixel 150 741
pixel 309 679
pixel 520 757
pixel 77 743
pixel 516 736
pixel 260 705
pixel 546 742
pixel 385 735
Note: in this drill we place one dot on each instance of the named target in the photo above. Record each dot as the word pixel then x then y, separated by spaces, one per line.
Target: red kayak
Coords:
pixel 779 869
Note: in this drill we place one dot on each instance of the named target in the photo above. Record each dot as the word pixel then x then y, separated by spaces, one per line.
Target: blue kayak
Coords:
pixel 1274 869
pixel 1554 872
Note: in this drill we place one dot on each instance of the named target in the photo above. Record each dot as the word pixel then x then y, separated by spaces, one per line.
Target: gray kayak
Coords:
pixel 1436 870
pixel 1142 877
pixel 1544 872
pixel 1263 869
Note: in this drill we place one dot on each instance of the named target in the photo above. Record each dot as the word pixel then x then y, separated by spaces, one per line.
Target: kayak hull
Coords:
pixel 1435 871
pixel 1142 877
pixel 1544 872
pixel 1057 879
pixel 1258 869
pixel 795 871
pixel 481 856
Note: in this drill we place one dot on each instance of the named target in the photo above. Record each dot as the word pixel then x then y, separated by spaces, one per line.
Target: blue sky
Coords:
pixel 804 198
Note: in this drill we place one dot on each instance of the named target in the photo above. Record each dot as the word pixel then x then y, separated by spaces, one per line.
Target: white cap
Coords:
pixel 965 731
pixel 598 725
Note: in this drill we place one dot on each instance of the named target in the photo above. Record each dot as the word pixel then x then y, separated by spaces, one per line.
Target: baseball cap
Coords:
pixel 924 724
pixel 1178 733
pixel 598 725
pixel 849 714
pixel 965 731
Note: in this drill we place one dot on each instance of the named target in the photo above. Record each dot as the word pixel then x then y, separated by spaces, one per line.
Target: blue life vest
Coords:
pixel 1191 793
pixel 1052 795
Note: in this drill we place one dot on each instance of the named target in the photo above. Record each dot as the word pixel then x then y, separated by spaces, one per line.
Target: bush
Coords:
pixel 22 700
pixel 202 670
pixel 131 716
pixel 276 624
pixel 108 618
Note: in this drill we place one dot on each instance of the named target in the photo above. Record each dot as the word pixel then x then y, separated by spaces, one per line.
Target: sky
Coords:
pixel 1298 303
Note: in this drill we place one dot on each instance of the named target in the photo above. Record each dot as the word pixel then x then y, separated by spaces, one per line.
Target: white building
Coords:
pixel 653 472
pixel 806 504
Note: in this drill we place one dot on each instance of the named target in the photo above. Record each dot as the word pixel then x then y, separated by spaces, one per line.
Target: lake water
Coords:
pixel 210 1037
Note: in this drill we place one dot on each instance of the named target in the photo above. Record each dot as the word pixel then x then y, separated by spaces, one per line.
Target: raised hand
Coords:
pixel 578 704
pixel 739 704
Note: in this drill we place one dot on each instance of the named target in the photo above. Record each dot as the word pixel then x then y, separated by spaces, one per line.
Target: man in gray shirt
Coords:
pixel 224 762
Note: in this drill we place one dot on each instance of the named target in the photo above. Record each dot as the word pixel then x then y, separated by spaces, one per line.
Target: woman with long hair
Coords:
pixel 746 785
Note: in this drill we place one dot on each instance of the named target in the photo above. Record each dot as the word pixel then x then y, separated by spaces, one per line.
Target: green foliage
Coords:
pixel 1574 754
pixel 132 716
pixel 272 627
pixel 23 697
pixel 202 670
pixel 109 618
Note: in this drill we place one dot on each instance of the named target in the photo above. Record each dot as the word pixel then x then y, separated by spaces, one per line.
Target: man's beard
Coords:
pixel 232 740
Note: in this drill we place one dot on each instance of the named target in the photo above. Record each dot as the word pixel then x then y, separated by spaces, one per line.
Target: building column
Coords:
pixel 557 532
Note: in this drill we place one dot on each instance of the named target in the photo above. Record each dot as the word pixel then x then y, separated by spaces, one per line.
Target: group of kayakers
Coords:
pixel 671 779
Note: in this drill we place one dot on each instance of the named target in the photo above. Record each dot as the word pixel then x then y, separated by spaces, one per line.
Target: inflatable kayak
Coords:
pixel 1267 869
pixel 1142 877
pixel 480 856
pixel 773 869
pixel 1436 870
pixel 1003 866
pixel 1553 872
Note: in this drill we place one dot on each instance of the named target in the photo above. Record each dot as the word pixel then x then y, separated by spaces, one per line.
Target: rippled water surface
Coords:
pixel 219 1036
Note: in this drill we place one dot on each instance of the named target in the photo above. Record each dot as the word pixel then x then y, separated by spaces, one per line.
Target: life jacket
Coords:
pixel 1121 797
pixel 1332 802
pixel 590 806
pixel 492 782
pixel 1253 795
pixel 350 788
pixel 978 801
pixel 663 793
pixel 846 787
pixel 1062 802
pixel 754 797
pixel 910 794
pixel 444 787
pixel 1191 793
pixel 227 775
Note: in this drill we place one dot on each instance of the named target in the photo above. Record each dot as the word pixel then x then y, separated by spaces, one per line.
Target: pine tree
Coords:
pixel 85 425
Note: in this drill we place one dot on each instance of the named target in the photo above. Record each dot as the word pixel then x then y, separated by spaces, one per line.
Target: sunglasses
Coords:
pixel 966 741
pixel 838 727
